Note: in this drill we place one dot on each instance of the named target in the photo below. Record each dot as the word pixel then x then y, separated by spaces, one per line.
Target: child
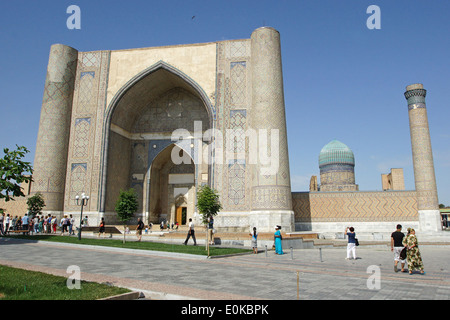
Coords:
pixel 254 240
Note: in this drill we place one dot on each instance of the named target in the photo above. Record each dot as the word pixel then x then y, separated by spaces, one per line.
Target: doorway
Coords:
pixel 181 213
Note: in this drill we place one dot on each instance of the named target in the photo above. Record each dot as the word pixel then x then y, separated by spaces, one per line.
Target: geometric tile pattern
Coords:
pixel 81 140
pixel 238 83
pixel 89 99
pixel 238 49
pixel 86 94
pixel 271 198
pixel 237 124
pixel 355 206
pixel 236 178
pixel 78 178
pixel 232 177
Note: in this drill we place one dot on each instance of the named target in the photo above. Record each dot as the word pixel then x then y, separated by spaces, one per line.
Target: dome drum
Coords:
pixel 337 167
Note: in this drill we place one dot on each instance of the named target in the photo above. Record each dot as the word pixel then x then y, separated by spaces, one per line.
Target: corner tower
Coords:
pixel 271 188
pixel 50 160
pixel 424 176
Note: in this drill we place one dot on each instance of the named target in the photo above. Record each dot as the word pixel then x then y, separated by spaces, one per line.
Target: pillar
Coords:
pixel 50 162
pixel 424 175
pixel 271 187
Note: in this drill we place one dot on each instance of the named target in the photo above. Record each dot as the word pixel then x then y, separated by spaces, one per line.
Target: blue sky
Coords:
pixel 341 80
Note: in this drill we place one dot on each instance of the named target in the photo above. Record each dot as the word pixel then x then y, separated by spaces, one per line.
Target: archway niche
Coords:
pixel 172 188
pixel 139 124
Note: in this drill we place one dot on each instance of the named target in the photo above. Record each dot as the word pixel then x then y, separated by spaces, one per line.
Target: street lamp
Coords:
pixel 84 201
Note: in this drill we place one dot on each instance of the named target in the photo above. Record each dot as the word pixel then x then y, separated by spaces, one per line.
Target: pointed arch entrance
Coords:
pixel 172 187
pixel 137 138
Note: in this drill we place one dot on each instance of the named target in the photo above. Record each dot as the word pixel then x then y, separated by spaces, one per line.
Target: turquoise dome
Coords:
pixel 336 152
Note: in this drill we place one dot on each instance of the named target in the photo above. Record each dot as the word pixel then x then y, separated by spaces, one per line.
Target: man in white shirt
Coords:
pixel 25 222
pixel 7 222
pixel 71 221
pixel 191 233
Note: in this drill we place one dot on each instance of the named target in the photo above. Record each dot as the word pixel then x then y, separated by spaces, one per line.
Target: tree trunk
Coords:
pixel 124 232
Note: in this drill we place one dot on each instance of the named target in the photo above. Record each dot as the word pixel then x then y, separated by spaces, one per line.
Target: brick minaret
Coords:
pixel 424 176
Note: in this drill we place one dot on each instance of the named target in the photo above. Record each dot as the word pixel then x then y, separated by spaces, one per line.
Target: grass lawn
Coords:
pixel 133 244
pixel 19 284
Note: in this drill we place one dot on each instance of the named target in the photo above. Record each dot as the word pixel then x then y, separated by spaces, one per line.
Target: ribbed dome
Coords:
pixel 336 152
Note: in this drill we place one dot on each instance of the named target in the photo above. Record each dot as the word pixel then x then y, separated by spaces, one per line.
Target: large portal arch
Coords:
pixel 138 124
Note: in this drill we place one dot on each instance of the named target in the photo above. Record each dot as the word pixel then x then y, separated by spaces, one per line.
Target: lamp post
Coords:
pixel 84 200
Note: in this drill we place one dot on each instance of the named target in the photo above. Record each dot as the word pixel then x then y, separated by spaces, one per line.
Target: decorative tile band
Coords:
pixel 337 168
pixel 415 96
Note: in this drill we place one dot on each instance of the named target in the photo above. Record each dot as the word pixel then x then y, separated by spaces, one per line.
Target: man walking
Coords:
pixel 191 233
pixel 71 222
pixel 139 228
pixel 211 230
pixel 397 247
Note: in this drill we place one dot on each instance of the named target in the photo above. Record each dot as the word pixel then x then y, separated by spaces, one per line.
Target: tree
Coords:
pixel 441 206
pixel 13 172
pixel 208 205
pixel 35 204
pixel 126 206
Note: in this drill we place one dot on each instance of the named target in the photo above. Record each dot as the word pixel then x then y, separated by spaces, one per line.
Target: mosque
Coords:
pixel 167 120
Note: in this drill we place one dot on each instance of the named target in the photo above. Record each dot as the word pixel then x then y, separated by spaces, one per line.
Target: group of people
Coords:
pixel 9 223
pixel 44 224
pixel 277 240
pixel 166 225
pixel 405 249
pixel 37 224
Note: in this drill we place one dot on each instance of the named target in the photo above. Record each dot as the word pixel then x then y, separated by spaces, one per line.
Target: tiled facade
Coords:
pixel 108 118
pixel 121 108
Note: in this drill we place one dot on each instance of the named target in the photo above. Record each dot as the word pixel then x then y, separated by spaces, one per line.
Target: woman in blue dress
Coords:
pixel 278 238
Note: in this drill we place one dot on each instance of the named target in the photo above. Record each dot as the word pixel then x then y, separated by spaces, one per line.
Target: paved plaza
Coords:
pixel 305 274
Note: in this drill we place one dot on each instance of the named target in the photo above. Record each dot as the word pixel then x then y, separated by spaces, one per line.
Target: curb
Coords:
pixel 125 296
pixel 160 295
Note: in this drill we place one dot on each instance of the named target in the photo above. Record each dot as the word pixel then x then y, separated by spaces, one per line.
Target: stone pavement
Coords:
pixel 322 274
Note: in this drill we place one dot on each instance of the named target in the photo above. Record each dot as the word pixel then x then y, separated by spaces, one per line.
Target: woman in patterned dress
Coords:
pixel 413 254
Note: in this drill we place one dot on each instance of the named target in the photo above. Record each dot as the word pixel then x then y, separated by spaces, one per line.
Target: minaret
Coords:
pixel 271 186
pixel 50 162
pixel 424 176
